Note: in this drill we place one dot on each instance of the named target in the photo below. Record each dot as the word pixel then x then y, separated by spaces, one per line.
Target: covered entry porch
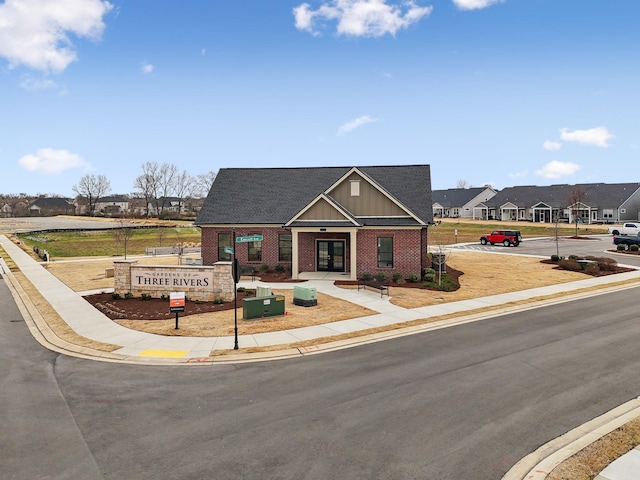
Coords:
pixel 323 251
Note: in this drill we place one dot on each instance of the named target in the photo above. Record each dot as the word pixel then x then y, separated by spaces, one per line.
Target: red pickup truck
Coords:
pixel 505 237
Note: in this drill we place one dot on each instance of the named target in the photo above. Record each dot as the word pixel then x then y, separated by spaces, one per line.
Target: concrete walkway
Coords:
pixel 88 322
pixel 139 347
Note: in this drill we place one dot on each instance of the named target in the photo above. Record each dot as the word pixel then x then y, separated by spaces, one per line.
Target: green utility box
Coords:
pixel 262 307
pixel 305 296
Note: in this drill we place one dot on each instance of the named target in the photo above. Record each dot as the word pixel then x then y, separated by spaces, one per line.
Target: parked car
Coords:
pixel 627 240
pixel 505 237
pixel 628 228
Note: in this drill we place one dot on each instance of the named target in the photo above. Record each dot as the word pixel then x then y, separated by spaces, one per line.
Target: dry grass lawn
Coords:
pixel 484 274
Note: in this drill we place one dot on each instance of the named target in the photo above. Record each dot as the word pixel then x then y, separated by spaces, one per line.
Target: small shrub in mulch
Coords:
pixel 601 266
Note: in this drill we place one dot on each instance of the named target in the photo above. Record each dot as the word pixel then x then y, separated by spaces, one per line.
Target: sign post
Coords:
pixel 176 304
pixel 236 277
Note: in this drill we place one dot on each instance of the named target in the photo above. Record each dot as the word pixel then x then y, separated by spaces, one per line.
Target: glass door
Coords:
pixel 330 256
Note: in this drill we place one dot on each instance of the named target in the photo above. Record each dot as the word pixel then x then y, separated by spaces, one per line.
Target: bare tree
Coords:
pixel 576 200
pixel 182 186
pixel 122 234
pixel 92 187
pixel 203 183
pixel 463 184
pixel 167 174
pixel 146 185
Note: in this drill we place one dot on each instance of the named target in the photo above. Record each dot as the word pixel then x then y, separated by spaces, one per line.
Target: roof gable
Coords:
pixel 276 195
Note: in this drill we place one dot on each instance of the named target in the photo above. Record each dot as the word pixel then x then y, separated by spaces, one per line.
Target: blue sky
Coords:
pixel 512 92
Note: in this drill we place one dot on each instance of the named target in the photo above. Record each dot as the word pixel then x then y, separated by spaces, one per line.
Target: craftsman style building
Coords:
pixel 326 219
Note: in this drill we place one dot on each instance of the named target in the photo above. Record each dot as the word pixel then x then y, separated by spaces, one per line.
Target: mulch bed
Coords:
pixel 600 273
pixel 158 309
pixel 152 309
pixel 452 272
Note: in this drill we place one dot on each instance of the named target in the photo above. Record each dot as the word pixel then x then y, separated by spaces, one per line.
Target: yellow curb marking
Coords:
pixel 164 353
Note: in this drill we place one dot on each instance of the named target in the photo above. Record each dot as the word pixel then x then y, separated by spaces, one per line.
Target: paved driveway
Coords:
pixel 596 245
pixel 28 224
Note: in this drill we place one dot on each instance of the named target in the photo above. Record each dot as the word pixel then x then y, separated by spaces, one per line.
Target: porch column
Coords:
pixel 353 233
pixel 294 254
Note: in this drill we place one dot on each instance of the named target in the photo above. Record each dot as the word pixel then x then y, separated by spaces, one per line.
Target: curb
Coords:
pixel 539 464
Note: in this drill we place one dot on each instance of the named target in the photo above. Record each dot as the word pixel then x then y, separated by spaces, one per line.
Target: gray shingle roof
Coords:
pixel 275 195
pixel 601 195
pixel 456 197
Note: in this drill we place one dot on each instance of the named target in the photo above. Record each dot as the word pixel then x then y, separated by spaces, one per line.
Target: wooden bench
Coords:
pixel 382 287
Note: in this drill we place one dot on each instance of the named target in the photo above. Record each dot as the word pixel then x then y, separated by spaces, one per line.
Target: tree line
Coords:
pixel 155 185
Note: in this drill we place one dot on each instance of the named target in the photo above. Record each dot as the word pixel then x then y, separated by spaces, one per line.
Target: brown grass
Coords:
pixel 219 324
pixel 590 461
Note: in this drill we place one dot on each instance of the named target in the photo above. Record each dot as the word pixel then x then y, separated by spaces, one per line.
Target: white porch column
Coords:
pixel 294 254
pixel 353 234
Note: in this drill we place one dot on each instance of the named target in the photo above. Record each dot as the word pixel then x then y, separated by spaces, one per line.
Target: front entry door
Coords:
pixel 330 255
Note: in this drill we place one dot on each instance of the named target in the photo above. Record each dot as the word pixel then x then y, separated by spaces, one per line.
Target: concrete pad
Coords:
pixel 626 467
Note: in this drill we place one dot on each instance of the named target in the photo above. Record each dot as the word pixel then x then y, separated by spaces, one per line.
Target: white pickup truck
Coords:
pixel 628 228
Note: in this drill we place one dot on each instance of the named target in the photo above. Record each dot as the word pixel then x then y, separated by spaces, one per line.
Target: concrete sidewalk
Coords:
pixel 145 348
pixel 139 346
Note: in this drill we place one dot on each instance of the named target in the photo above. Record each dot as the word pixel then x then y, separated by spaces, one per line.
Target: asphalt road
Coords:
pixel 460 403
pixel 596 245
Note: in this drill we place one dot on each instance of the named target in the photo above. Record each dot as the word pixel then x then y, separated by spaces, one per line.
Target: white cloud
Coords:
pixel 558 169
pixel 598 136
pixel 474 4
pixel 48 160
pixel 549 145
pixel 33 84
pixel 353 124
pixel 360 18
pixel 35 33
pixel 146 68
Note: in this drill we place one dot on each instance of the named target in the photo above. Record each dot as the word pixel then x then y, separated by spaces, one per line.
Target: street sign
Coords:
pixel 249 238
pixel 176 301
pixel 228 250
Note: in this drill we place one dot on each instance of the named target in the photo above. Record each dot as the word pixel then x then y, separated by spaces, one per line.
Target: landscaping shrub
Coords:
pixel 381 277
pixel 446 284
pixel 555 258
pixel 397 277
pixel 218 300
pixel 145 296
pixel 570 264
pixel 128 295
pixel 414 278
pixel 591 268
pixel 607 264
pixel 263 267
pixel 621 246
pixel 280 268
pixel 633 248
pixel 429 275
pixel 366 276
pixel 115 296
pixel 573 257
pixel 240 289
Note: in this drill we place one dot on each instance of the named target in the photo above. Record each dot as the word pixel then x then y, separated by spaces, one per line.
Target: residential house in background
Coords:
pixel 462 202
pixel 112 206
pixel 585 203
pixel 50 206
pixel 349 220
